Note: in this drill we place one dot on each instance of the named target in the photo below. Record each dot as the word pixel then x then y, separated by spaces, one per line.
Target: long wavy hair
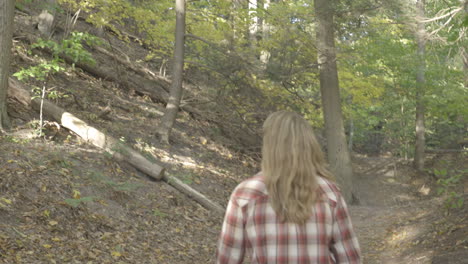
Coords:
pixel 291 162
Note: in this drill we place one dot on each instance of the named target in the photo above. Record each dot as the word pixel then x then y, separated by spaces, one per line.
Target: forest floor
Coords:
pixel 64 201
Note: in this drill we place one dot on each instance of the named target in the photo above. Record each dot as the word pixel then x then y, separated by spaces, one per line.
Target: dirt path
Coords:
pixel 397 223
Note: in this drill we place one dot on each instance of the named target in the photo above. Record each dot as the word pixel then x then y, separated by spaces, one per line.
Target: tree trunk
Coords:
pixel 7 9
pixel 254 21
pixel 175 94
pixel 351 134
pixel 265 54
pixel 464 51
pixel 338 154
pixel 420 87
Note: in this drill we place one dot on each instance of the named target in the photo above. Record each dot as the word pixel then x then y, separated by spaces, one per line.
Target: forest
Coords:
pixel 125 125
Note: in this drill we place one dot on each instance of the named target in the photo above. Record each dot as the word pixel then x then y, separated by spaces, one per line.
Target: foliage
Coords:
pixel 76 202
pixel 41 71
pixel 117 186
pixel 77 199
pixel 376 53
pixel 71 47
pixel 447 186
pixel 159 213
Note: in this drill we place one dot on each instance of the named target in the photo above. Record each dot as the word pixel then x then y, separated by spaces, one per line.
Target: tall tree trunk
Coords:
pixel 420 87
pixel 338 154
pixel 265 54
pixel 464 50
pixel 175 94
pixel 254 21
pixel 7 11
pixel 351 134
pixel 464 54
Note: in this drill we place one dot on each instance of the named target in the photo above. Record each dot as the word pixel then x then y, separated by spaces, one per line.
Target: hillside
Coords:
pixel 64 201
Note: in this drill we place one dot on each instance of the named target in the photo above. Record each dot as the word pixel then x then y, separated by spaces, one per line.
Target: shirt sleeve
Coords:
pixel 231 244
pixel 345 246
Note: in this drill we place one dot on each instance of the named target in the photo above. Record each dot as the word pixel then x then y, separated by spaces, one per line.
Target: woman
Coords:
pixel 291 212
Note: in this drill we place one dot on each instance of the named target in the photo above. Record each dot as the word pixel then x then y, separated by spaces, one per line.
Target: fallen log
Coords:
pixel 164 82
pixel 441 151
pixel 116 148
pixel 90 134
pixel 140 70
pixel 187 190
pixel 153 88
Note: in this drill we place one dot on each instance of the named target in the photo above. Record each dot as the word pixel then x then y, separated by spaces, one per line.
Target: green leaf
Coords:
pixel 76 202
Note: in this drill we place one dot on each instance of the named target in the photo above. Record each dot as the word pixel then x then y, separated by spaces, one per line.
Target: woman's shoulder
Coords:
pixel 250 188
pixel 329 189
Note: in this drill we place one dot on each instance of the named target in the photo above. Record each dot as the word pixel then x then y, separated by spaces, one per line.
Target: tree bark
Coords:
pixel 420 88
pixel 7 9
pixel 254 21
pixel 464 50
pixel 351 135
pixel 266 28
pixel 338 154
pixel 175 94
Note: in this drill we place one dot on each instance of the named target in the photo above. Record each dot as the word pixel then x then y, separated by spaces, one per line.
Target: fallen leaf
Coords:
pixel 8 201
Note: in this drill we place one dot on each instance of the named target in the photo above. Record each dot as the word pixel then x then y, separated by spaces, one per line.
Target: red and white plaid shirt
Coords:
pixel 251 226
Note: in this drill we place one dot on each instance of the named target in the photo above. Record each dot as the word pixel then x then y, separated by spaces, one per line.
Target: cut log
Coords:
pixel 116 148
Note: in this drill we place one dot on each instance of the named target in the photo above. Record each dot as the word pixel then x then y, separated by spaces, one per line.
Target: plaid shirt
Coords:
pixel 251 225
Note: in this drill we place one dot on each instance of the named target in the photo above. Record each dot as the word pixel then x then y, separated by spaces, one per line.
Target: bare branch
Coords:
pixel 451 13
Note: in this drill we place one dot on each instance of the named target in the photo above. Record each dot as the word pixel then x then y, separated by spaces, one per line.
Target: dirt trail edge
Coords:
pixel 398 222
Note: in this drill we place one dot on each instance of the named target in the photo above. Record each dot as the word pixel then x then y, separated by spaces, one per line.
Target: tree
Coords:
pixel 420 87
pixel 337 149
pixel 175 95
pixel 7 9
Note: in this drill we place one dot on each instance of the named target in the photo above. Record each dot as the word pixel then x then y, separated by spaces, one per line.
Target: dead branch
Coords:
pixel 442 151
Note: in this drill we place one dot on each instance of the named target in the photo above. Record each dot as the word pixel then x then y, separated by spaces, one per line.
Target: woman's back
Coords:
pixel 253 228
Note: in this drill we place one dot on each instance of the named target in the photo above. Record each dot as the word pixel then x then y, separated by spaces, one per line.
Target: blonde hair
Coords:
pixel 291 162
